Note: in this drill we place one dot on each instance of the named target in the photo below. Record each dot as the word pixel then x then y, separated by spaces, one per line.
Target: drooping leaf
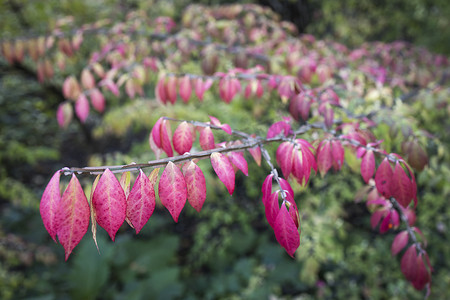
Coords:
pixel 195 184
pixel 91 208
pixel 284 157
pixel 400 242
pixel 109 203
pixel 286 232
pixel 408 263
pixel 256 154
pixel 401 188
pixel 185 88
pixel 383 178
pixel 172 190
pixel 97 100
pixel 224 170
pixel 156 132
pixel 206 139
pixel 266 189
pixel 73 216
pixel 238 160
pixel 49 206
pixel 183 138
pixel 324 157
pixel 166 134
pixel 64 114
pixel 422 274
pixel 272 208
pixel 82 108
pixel 368 166
pixel 125 182
pixel 337 152
pixel 153 176
pixel 141 202
pixel 171 89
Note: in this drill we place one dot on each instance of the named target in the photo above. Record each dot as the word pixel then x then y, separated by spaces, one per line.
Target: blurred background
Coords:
pixel 227 251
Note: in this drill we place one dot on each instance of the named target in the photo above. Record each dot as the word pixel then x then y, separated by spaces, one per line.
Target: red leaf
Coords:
pixel 172 190
pixel 286 232
pixel 408 263
pixel 183 138
pixel 238 160
pixel 206 139
pixel 400 185
pixel 324 157
pixel 82 108
pixel 109 203
pixel 383 178
pixel 224 170
pixel 156 132
pixel 285 157
pixel 422 274
pixel 73 216
pixel 185 88
pixel 49 206
pixel 368 166
pixel 272 208
pixel 266 189
pixel 400 241
pixel 195 184
pixel 166 134
pixel 141 202
pixel 160 90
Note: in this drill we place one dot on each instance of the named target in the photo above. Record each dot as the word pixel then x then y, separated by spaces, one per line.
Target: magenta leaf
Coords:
pixel 196 185
pixel 266 188
pixel 286 232
pixel 224 170
pixel 97 100
pixel 185 88
pixel 172 190
pixel 408 263
pixel 256 154
pixel 166 134
pixel 238 160
pixel 141 202
pixel 368 166
pixel 272 207
pixel 337 154
pixel 206 139
pixel 73 216
pixel 400 242
pixel 324 157
pixel 171 89
pixel 49 206
pixel 109 202
pixel 82 108
pixel 284 156
pixel 156 132
pixel 278 128
pixel 183 138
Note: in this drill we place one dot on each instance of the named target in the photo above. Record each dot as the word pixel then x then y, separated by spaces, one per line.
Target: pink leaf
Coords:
pixel 224 170
pixel 171 89
pixel 368 166
pixel 278 128
pixel 141 202
pixel 272 208
pixel 160 90
pixel 73 216
pixel 110 203
pixel 185 88
pixel 284 156
pixel 324 157
pixel 156 132
pixel 172 190
pixel 286 232
pixel 87 79
pixel 64 114
pixel 256 154
pixel 183 138
pixel 338 154
pixel 49 206
pixel 238 160
pixel 82 108
pixel 383 178
pixel 97 100
pixel 400 241
pixel 206 139
pixel 267 188
pixel 196 185
pixel 224 127
pixel 401 186
pixel 228 87
pixel 166 134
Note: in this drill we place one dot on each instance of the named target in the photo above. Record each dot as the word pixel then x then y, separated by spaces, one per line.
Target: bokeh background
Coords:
pixel 227 251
